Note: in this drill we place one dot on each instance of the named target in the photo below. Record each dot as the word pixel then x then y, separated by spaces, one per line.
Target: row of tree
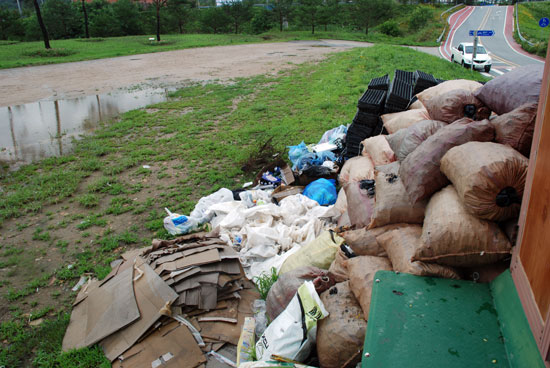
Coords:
pixel 99 18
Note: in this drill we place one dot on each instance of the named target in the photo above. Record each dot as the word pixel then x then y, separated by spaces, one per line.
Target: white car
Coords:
pixel 463 54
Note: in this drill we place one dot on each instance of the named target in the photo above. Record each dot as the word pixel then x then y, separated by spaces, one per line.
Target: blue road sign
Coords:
pixel 483 33
pixel 543 22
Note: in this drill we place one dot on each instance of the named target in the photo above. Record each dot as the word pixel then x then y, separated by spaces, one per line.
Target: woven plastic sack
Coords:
pixel 361 272
pixel 356 169
pixel 404 119
pixel 392 201
pixel 455 105
pixel 341 335
pixel 416 134
pixel 420 171
pixel 452 236
pixel 318 253
pixel 378 149
pixel 511 90
pixel 488 177
pixel 395 139
pixel 363 242
pixel 516 128
pixel 323 191
pixel 401 244
pixel 447 86
pixel 360 204
pixel 283 290
pixel 338 270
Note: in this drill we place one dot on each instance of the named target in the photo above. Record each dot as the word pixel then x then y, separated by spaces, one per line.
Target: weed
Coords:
pixel 119 205
pixel 92 220
pixel 40 235
pixel 88 200
pixel 265 281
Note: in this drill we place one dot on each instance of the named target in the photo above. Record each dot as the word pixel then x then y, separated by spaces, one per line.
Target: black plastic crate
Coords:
pixel 372 101
pixel 423 81
pixel 366 119
pixel 404 76
pixel 439 81
pixel 400 93
pixel 381 83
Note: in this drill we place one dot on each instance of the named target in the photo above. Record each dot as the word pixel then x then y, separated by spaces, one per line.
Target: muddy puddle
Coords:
pixel 37 130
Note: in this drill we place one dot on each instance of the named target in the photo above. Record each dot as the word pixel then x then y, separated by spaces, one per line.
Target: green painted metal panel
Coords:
pixel 519 341
pixel 430 322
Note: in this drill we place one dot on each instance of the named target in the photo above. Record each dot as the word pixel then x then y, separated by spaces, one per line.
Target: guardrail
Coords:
pixel 519 32
pixel 441 17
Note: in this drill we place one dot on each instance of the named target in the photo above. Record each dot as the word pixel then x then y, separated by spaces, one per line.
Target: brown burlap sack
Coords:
pixel 420 170
pixel 338 268
pixel 360 204
pixel 361 272
pixel 516 128
pixel 341 204
pixel 395 139
pixel 341 335
pixel 447 86
pixel 453 237
pixel 401 244
pixel 511 90
pixel 416 134
pixel 416 105
pixel 392 204
pixel 363 242
pixel 488 177
pixel 455 105
pixel 356 169
pixel 378 149
pixel 404 119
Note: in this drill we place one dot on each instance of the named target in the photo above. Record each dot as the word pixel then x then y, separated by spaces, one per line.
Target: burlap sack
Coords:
pixel 392 204
pixel 356 169
pixel 447 86
pixel 404 119
pixel 455 105
pixel 416 134
pixel 395 139
pixel 401 244
pixel 341 335
pixel 511 90
pixel 361 272
pixel 420 170
pixel 360 204
pixel 416 105
pixel 516 128
pixel 488 177
pixel 363 242
pixel 338 268
pixel 378 149
pixel 341 204
pixel 451 236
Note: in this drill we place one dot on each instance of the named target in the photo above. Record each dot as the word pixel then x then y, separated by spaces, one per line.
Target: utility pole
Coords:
pixel 475 50
pixel 19 7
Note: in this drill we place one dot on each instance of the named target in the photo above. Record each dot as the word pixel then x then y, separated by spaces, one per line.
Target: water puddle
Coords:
pixel 37 130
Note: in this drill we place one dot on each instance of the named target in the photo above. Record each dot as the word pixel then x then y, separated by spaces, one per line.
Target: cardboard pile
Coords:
pixel 165 305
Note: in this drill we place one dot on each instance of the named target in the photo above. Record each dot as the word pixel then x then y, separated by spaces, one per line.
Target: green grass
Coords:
pixel 202 150
pixel 529 15
pixel 265 281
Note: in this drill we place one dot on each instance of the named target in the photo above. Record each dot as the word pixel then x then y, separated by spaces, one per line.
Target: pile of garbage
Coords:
pixel 427 180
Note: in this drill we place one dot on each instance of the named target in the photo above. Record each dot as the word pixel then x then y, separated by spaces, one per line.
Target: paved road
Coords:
pixel 506 54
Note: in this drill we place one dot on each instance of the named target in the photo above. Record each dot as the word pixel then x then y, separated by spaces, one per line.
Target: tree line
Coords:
pixel 99 18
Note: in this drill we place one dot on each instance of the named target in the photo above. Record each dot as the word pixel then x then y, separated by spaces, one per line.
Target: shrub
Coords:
pixel 390 28
pixel 419 18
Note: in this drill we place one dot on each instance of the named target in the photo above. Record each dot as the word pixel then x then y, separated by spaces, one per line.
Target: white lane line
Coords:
pixel 460 25
pixel 486 74
pixel 506 38
pixel 498 71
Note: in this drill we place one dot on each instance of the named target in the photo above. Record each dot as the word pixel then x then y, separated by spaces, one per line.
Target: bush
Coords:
pixel 390 28
pixel 419 18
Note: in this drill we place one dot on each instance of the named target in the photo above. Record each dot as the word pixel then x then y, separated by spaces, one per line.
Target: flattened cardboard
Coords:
pixel 152 294
pixel 204 248
pixel 198 259
pixel 187 273
pixel 196 281
pixel 106 310
pixel 164 259
pixel 228 253
pixel 208 296
pixel 172 338
pixel 229 266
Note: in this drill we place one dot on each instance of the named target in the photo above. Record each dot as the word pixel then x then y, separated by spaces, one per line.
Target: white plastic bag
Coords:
pixel 285 335
pixel 177 224
pixel 201 212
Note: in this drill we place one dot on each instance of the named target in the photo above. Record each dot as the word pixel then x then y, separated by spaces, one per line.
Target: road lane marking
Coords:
pixel 506 38
pixel 497 71
pixel 486 74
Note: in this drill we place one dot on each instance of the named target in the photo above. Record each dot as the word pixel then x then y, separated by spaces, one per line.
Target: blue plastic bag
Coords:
pixel 295 152
pixel 323 191
pixel 313 159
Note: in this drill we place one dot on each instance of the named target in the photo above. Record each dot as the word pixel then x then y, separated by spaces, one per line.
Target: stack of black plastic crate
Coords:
pixel 400 92
pixel 367 122
pixel 423 81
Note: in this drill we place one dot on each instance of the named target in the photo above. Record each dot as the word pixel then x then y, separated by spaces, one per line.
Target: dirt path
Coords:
pixel 30 84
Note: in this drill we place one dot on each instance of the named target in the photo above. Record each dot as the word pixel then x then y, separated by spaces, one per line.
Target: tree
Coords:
pixel 159 4
pixel 42 26
pixel 103 21
pixel 129 18
pixel 86 30
pixel 328 12
pixel 368 13
pixel 309 11
pixel 180 11
pixel 239 11
pixel 11 26
pixel 214 20
pixel 62 19
pixel 283 9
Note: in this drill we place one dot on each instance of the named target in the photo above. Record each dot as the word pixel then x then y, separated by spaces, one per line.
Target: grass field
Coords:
pixel 18 54
pixel 65 216
pixel 529 15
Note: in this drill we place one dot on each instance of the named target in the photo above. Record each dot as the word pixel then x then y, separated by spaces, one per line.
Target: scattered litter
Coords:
pixel 146 166
pixel 220 358
pixel 80 283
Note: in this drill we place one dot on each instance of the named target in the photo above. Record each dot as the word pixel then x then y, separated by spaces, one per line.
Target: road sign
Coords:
pixel 483 33
pixel 543 22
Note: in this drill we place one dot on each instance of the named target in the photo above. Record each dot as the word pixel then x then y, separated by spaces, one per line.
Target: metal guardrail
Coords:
pixel 519 32
pixel 445 28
